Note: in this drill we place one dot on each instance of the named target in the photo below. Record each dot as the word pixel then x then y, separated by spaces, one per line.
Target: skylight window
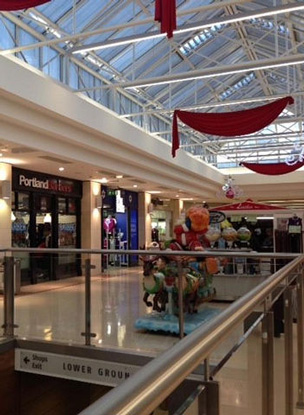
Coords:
pixel 269 25
pixel 245 81
pixel 199 39
pixel 277 78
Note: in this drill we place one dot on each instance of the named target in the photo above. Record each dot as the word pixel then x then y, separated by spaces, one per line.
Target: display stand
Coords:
pixel 106 246
pixel 109 225
pixel 123 257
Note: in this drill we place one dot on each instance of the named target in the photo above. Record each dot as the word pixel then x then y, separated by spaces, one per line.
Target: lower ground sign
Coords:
pixel 76 368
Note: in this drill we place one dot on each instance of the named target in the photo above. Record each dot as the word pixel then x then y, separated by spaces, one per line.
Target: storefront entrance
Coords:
pixel 119 226
pixel 46 214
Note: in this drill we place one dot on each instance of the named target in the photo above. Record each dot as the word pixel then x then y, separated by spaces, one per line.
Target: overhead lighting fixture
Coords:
pixel 187 198
pixel 119 42
pixel 135 185
pixel 217 71
pixel 61 169
pixel 104 180
pixel 264 217
pixel 153 192
pixel 119 176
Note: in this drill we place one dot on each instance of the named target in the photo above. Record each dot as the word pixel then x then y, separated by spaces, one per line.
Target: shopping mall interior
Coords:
pixel 138 127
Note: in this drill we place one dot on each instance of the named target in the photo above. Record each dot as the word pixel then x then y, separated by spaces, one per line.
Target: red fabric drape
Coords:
pixel 272 169
pixel 229 124
pixel 165 13
pixel 9 5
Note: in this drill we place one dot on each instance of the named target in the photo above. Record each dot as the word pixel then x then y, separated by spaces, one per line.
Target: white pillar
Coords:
pixel 177 208
pixel 5 206
pixel 144 220
pixel 91 222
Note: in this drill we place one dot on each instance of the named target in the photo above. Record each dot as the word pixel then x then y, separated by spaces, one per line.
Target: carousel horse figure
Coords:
pixel 190 285
pixel 153 284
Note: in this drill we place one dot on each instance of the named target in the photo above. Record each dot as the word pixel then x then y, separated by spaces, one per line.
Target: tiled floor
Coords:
pixel 55 311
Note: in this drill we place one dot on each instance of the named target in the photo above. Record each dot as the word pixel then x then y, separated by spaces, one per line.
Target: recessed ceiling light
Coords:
pixel 1 154
pixel 176 195
pixel 154 192
pixel 134 185
pixel 119 176
pixel 187 198
pixel 61 169
pixel 104 180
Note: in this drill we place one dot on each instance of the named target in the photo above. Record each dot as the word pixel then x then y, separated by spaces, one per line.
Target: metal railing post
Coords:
pixel 300 339
pixel 9 297
pixel 87 333
pixel 267 364
pixel 288 351
pixel 180 300
pixel 17 276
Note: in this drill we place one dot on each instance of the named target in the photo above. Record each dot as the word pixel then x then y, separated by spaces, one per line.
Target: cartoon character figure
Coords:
pixel 191 233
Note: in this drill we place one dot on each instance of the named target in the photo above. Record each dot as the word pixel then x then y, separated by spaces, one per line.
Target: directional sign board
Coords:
pixel 76 368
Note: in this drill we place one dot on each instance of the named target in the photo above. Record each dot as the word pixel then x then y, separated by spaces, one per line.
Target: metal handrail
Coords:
pixel 146 389
pixel 198 254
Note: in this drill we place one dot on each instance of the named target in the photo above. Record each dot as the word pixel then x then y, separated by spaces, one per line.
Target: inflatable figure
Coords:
pixel 190 234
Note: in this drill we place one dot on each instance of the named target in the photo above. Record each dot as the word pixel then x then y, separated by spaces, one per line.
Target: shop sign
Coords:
pixel 55 185
pixel 120 207
pixel 76 368
pixel 39 182
pixel 217 217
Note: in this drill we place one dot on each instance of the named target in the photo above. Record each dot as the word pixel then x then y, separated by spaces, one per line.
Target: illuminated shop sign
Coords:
pixel 120 207
pixel 56 185
pixel 46 184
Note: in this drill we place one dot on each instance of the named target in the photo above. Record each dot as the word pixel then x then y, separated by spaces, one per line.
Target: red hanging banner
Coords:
pixel 229 124
pixel 272 169
pixel 9 5
pixel 165 13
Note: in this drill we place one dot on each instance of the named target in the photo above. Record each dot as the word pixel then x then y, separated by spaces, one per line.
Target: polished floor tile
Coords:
pixel 55 311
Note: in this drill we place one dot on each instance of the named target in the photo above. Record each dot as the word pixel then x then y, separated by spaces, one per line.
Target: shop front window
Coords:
pixel 20 239
pixel 62 207
pixel 23 201
pixel 67 231
pixel 20 228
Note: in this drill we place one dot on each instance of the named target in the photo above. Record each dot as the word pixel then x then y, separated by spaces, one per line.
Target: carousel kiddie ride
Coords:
pixel 164 274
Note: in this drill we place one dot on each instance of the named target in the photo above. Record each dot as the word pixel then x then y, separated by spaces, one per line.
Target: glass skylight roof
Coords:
pixel 102 74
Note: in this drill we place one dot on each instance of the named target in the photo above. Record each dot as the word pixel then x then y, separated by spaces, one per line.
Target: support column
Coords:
pixel 144 220
pixel 91 222
pixel 177 208
pixel 5 206
pixel 289 404
pixel 267 364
